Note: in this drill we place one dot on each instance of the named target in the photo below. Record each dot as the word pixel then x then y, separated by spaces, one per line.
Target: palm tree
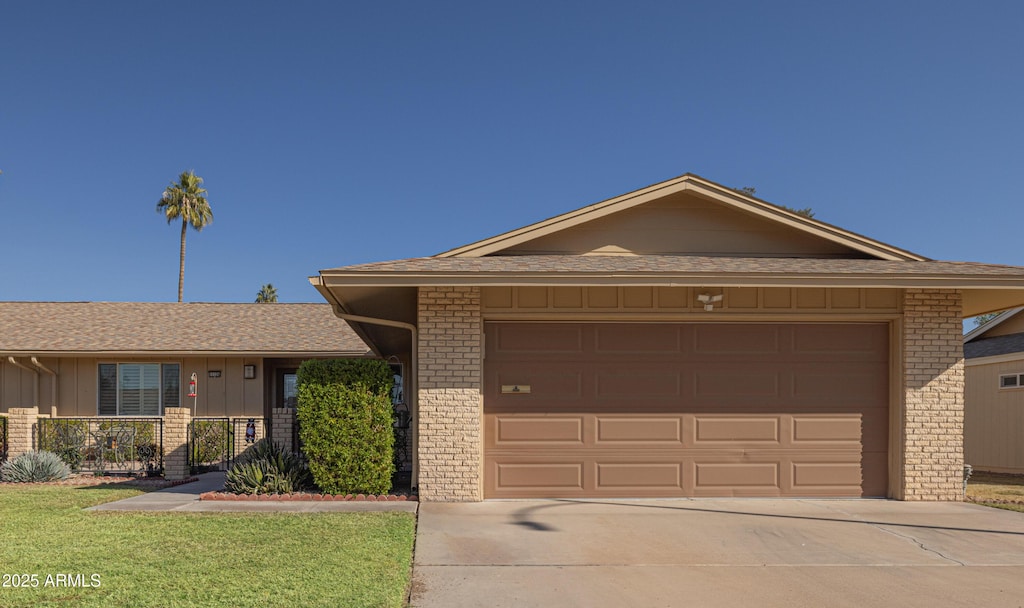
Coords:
pixel 186 200
pixel 266 295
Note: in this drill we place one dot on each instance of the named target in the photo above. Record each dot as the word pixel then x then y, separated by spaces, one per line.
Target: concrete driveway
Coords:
pixel 727 552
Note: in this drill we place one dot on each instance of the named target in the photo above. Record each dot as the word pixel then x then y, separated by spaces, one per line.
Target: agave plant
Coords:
pixel 35 467
pixel 266 468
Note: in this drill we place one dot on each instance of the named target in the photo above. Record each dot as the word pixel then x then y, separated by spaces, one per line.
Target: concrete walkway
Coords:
pixel 185 498
pixel 717 552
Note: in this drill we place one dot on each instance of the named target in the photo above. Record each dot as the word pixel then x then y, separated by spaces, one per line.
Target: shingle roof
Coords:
pixel 991 347
pixel 666 266
pixel 127 327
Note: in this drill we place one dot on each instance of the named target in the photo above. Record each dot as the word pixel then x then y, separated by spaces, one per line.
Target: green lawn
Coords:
pixel 201 559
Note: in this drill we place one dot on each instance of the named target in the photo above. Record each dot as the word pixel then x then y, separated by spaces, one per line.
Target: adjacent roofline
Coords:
pixel 190 353
pixel 722 194
pixel 991 324
pixel 989 360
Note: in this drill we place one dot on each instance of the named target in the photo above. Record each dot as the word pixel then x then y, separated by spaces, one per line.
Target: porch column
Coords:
pixel 21 426
pixel 176 421
pixel 450 380
pixel 933 382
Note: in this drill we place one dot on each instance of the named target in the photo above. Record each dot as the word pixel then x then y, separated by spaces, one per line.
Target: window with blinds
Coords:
pixel 138 389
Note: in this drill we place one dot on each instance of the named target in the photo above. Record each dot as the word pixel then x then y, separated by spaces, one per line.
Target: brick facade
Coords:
pixel 933 385
pixel 450 411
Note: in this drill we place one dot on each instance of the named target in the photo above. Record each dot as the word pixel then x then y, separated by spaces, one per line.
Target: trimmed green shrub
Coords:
pixel 266 468
pixel 347 436
pixel 33 467
pixel 374 374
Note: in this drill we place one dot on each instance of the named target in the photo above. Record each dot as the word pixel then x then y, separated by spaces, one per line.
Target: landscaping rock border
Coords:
pixel 305 496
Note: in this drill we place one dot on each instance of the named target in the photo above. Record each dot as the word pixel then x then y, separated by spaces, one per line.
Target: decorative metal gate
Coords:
pixel 105 445
pixel 210 442
pixel 213 443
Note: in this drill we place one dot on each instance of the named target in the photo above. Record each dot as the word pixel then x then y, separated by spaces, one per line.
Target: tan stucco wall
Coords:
pixel 933 404
pixel 450 405
pixel 77 377
pixel 994 418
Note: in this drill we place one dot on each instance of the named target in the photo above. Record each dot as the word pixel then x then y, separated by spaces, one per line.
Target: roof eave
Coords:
pixel 723 279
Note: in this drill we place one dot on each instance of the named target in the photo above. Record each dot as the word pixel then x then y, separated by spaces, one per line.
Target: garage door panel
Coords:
pixel 638 339
pixel 620 410
pixel 536 339
pixel 824 474
pixel 636 476
pixel 866 341
pixel 736 340
pixel 637 383
pixel 733 476
pixel 547 430
pixel 529 477
pixel 837 429
pixel 642 430
pixel 713 431
pixel 839 387
pixel 735 385
pixel 545 384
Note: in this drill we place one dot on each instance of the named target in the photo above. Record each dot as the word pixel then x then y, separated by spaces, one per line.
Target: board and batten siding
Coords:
pixel 229 395
pixel 993 418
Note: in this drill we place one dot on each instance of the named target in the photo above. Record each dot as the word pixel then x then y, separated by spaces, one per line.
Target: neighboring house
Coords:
pixel 684 339
pixel 135 359
pixel 994 394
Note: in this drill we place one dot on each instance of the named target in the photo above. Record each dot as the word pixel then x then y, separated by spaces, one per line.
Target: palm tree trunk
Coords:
pixel 181 262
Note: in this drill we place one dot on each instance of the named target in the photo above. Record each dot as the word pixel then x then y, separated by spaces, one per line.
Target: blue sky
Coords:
pixel 335 133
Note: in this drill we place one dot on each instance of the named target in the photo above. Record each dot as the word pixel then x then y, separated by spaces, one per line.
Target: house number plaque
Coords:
pixel 515 389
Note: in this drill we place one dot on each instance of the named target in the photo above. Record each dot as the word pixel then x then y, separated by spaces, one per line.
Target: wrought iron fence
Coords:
pixel 214 443
pixel 3 438
pixel 105 444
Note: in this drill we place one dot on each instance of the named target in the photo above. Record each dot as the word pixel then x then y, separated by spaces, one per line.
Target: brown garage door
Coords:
pixel 619 410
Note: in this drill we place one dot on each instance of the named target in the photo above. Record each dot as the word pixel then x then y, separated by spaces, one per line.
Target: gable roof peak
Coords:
pixel 729 197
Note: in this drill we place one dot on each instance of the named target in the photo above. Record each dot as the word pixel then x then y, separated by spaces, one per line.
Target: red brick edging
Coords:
pixel 303 496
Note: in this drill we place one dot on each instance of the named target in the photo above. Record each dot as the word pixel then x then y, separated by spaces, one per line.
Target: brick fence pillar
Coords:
pixel 21 427
pixel 176 421
pixel 450 403
pixel 282 425
pixel 933 401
